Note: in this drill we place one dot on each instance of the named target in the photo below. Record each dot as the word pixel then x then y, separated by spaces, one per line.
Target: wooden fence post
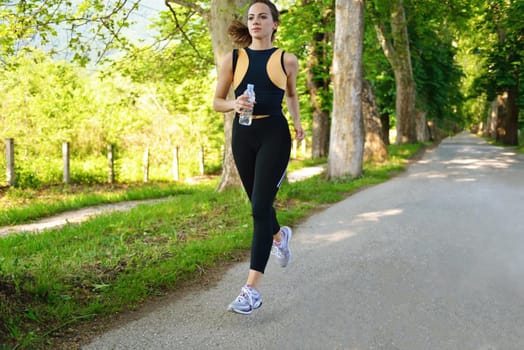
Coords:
pixel 146 165
pixel 202 171
pixel 10 155
pixel 294 150
pixel 176 172
pixel 110 164
pixel 65 157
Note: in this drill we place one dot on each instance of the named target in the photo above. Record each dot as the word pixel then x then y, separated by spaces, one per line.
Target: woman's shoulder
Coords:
pixel 290 60
pixel 289 56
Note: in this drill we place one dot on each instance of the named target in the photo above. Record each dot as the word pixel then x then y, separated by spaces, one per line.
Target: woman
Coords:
pixel 261 150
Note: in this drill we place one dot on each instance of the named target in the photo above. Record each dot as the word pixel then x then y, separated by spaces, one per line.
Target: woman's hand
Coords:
pixel 300 134
pixel 242 103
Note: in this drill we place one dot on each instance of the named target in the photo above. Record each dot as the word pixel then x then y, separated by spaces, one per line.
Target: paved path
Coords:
pixel 433 259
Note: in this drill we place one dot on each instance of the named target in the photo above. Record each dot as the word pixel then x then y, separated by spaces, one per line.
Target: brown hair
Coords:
pixel 239 32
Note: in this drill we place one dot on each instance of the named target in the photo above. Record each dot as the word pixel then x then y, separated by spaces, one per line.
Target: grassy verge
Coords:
pixel 19 206
pixel 58 279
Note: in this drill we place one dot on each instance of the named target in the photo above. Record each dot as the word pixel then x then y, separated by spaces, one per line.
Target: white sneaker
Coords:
pixel 248 300
pixel 281 249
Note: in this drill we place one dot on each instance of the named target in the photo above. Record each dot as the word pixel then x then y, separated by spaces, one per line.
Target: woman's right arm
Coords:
pixel 225 79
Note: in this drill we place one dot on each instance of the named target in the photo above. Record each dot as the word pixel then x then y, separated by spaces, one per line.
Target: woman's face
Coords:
pixel 260 22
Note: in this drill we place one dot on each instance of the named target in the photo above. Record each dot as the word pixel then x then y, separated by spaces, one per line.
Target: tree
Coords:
pixel 318 80
pixel 178 69
pixel 347 129
pixel 435 30
pixel 218 16
pixel 505 66
pixel 374 148
pixel 48 102
pixel 307 30
pixel 87 26
pixel 378 72
pixel 390 23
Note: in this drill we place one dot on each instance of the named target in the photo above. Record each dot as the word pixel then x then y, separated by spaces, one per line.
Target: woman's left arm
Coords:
pixel 291 64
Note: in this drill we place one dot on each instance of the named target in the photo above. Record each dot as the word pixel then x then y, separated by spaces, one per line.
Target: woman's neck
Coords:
pixel 261 45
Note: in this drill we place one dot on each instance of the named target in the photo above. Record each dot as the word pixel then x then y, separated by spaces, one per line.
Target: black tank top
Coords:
pixel 264 69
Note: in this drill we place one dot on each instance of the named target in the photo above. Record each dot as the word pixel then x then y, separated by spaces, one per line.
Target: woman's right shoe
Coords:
pixel 248 300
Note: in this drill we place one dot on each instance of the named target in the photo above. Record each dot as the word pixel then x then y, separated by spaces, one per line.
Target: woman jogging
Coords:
pixel 262 149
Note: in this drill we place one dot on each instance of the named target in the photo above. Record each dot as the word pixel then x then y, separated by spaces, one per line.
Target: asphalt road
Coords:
pixel 433 259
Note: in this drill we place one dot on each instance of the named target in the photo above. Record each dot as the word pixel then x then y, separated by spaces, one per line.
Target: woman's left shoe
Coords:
pixel 281 249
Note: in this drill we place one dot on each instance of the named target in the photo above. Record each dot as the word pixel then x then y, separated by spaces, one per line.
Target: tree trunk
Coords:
pixel 374 148
pixel 320 134
pixel 501 115
pixel 384 120
pixel 513 117
pixel 508 108
pixel 507 118
pixel 318 87
pixel 398 54
pixel 346 146
pixel 491 123
pixel 221 14
pixel 218 17
pixel 422 126
pixel 315 86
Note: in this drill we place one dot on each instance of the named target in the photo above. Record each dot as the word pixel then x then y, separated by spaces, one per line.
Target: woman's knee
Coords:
pixel 261 211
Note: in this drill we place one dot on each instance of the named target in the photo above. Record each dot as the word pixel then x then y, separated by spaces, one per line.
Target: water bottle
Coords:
pixel 246 116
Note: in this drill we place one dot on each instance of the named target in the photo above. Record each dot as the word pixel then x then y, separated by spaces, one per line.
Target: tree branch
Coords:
pixel 387 45
pixel 184 3
pixel 383 36
pixel 115 34
pixel 181 29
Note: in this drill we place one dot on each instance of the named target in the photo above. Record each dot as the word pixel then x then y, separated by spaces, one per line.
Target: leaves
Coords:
pixel 155 97
pixel 85 26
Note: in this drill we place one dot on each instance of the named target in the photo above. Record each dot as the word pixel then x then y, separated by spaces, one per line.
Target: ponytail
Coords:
pixel 239 33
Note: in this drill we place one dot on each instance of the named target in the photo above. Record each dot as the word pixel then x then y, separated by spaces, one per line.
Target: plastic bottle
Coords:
pixel 246 117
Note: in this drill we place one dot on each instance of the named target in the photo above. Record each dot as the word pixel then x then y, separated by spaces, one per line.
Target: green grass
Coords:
pixel 298 164
pixel 64 277
pixel 19 206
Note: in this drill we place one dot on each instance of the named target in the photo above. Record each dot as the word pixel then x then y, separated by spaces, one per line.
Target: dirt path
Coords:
pixel 81 215
pixel 75 216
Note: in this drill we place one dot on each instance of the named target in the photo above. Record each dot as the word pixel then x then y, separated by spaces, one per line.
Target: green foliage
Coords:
pixel 150 99
pixel 437 75
pixel 182 75
pixel 491 54
pixel 306 30
pixel 87 29
pixel 159 96
pixel 378 71
pixel 437 33
pixel 506 57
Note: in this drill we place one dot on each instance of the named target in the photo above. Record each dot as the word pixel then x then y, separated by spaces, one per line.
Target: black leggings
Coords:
pixel 261 153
